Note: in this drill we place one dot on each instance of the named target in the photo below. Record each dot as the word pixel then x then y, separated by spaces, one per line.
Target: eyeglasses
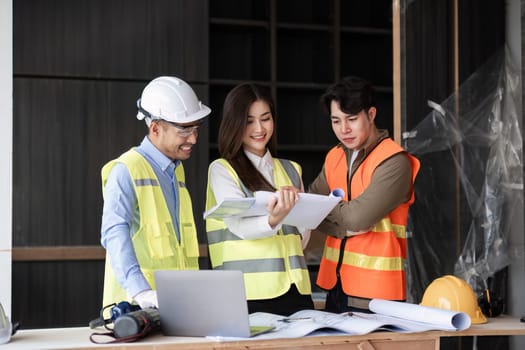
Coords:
pixel 185 131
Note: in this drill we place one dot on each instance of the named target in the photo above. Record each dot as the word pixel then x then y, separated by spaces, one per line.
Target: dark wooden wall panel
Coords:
pixel 124 39
pixel 481 33
pixel 66 130
pixel 79 67
pixel 429 56
pixel 56 294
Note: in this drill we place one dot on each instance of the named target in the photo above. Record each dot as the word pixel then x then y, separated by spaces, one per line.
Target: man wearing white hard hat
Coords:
pixel 147 219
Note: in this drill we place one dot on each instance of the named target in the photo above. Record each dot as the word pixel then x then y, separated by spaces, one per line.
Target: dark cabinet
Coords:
pixel 298 48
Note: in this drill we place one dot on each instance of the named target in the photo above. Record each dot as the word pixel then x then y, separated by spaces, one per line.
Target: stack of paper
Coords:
pixel 388 316
pixel 308 211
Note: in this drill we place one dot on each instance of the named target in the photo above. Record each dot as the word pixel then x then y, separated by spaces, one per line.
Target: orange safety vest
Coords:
pixel 372 263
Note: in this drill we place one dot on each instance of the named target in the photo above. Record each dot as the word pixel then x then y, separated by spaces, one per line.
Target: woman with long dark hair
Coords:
pixel 269 253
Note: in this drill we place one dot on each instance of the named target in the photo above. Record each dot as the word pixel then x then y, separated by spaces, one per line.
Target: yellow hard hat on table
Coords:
pixel 453 293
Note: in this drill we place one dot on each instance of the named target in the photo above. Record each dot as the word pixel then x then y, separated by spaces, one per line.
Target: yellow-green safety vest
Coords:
pixel 270 265
pixel 155 242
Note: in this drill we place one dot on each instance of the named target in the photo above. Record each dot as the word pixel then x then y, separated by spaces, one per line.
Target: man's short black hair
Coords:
pixel 353 94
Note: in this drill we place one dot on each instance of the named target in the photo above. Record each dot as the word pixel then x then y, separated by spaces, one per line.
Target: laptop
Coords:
pixel 198 303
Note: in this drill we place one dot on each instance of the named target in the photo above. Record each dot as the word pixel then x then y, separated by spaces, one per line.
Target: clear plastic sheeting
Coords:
pixel 470 148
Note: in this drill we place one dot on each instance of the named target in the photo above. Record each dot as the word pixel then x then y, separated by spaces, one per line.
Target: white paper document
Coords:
pixel 308 211
pixel 388 316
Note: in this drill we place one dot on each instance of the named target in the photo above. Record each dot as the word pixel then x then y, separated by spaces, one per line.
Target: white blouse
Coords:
pixel 224 186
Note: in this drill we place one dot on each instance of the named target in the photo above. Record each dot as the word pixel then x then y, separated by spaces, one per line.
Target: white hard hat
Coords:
pixel 170 99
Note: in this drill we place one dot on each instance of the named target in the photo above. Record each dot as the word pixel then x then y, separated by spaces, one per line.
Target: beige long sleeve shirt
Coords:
pixel 391 185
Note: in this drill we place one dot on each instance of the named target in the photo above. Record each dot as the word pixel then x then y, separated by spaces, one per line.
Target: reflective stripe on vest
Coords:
pixel 372 263
pixel 155 242
pixel 270 265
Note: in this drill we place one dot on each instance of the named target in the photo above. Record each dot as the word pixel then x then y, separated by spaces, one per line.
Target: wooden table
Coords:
pixel 78 338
